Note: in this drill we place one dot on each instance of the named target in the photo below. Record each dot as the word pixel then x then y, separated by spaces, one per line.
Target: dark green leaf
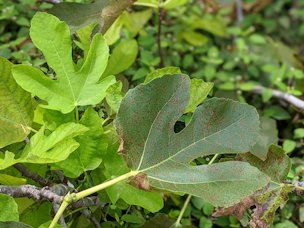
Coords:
pixel 218 126
pixel 276 165
pixel 78 15
pixel 268 135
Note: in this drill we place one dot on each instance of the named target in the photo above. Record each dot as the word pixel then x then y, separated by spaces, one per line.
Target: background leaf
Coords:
pixel 268 135
pixel 92 145
pixel 122 57
pixel 44 149
pixel 16 112
pixel 72 87
pixel 161 72
pixel 9 209
pixel 199 91
pixel 78 15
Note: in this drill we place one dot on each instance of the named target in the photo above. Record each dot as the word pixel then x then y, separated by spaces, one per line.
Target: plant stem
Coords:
pixel 31 129
pixel 180 216
pixel 158 38
pixel 104 185
pixel 76 114
pixel 69 198
pixel 62 207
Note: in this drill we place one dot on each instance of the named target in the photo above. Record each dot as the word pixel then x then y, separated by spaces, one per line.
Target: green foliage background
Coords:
pixel 204 41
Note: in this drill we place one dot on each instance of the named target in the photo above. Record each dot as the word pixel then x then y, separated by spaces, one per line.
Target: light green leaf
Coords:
pixel 215 25
pixel 9 209
pixel 53 119
pixel 135 21
pixel 114 96
pixel 88 156
pixel 78 15
pixel 16 113
pixel 72 87
pixel 84 35
pixel 266 94
pixel 199 91
pixel 289 145
pixel 161 72
pixel 37 214
pixel 43 149
pixel 268 135
pixel 195 38
pixel 299 133
pixel 171 4
pixel 148 3
pixel 122 57
pixel 301 213
pixel 11 180
pixel 113 33
pixel 277 164
pixel 218 126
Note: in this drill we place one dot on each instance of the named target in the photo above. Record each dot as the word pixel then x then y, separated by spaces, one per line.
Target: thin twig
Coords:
pixel 158 37
pixel 239 12
pixel 51 1
pixel 296 102
pixel 33 176
pixel 88 214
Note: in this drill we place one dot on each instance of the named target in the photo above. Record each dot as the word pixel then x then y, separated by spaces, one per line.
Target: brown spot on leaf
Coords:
pixel 121 146
pixel 237 210
pixel 142 182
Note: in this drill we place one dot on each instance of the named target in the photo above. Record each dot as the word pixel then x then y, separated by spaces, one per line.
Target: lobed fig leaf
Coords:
pixel 73 87
pixel 145 123
pixel 43 149
pixel 16 112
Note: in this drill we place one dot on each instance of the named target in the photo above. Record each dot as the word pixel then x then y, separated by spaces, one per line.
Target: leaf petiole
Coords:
pixel 70 198
pixel 180 216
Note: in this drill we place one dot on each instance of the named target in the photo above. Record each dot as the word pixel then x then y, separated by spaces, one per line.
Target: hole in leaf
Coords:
pixel 179 126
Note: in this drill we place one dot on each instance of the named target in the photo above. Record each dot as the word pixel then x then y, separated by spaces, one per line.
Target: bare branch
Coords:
pixel 296 102
pixel 29 174
pixel 88 214
pixel 239 11
pixel 51 1
pixel 31 192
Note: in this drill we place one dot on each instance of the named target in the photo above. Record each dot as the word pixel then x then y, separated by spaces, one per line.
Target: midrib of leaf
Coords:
pixel 87 76
pixel 152 125
pixel 192 144
pixel 16 104
pixel 64 70
pixel 203 182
